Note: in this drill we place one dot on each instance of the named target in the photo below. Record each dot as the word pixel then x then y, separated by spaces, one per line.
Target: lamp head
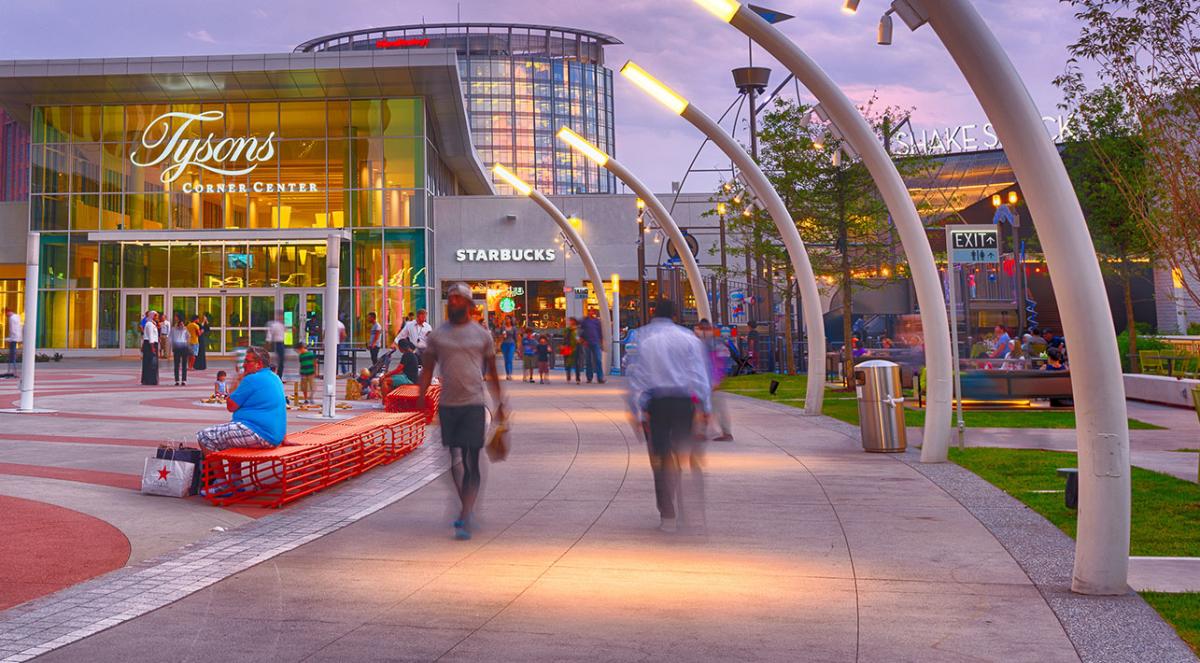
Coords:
pixel 1013 198
pixel 884 35
pixel 721 209
pixel 512 180
pixel 582 146
pixel 850 7
pixel 653 87
pixel 996 200
pixel 641 204
pixel 722 9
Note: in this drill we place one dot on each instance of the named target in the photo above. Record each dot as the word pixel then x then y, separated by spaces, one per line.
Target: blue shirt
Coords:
pixel 528 346
pixel 261 405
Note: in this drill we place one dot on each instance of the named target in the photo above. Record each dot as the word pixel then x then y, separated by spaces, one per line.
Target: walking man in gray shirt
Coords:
pixel 463 352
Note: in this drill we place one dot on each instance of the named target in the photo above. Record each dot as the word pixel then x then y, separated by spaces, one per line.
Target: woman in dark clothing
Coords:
pixel 201 359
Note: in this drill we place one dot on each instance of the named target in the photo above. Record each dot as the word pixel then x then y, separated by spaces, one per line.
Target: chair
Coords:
pixel 1188 368
pixel 1151 364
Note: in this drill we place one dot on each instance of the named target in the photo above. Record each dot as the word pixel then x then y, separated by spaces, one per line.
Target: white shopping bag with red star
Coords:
pixel 170 478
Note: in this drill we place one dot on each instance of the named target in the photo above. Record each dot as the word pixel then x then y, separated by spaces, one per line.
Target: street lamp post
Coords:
pixel 859 136
pixel 572 235
pixel 760 186
pixel 581 145
pixel 1102 429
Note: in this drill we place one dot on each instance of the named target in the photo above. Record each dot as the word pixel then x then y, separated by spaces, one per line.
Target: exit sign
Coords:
pixel 970 244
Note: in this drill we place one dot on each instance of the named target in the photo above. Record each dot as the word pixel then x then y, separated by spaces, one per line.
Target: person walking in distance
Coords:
pixel 13 336
pixel 460 350
pixel 150 339
pixel 180 352
pixel 718 365
pixel 276 336
pixel 571 351
pixel 668 380
pixel 508 346
pixel 528 354
pixel 193 328
pixel 374 337
pixel 593 341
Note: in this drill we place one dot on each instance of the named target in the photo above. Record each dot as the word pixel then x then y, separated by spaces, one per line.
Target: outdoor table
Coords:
pixel 1170 359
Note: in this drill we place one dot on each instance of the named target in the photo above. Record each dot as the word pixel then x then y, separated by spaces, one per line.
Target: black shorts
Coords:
pixel 462 425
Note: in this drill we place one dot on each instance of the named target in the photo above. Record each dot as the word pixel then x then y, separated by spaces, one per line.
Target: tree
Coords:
pixel 833 199
pixel 1107 163
pixel 1148 53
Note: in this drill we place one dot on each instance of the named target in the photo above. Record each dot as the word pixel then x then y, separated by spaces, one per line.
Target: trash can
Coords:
pixel 880 406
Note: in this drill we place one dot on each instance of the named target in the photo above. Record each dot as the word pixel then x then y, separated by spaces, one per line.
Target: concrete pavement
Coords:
pixel 813 550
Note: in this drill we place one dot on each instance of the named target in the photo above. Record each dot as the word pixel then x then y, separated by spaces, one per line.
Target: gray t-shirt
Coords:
pixel 460 352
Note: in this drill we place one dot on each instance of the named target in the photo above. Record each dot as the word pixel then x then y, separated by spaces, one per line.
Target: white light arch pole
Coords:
pixel 33 249
pixel 333 259
pixel 859 136
pixel 1102 430
pixel 760 186
pixel 581 145
pixel 576 240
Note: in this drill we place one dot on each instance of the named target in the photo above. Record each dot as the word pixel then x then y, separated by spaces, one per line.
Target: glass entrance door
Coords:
pixel 133 308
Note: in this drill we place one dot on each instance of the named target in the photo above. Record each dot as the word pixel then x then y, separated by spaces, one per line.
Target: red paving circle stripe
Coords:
pixel 46 548
pixel 95 477
pixel 80 439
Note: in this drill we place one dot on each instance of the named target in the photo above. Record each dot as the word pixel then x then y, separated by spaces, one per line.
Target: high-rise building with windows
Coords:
pixel 521 84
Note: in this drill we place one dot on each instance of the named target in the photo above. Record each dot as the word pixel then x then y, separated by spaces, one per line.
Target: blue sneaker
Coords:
pixel 462 534
pixel 458 524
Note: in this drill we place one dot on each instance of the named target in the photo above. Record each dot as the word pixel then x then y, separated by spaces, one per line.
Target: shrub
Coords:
pixel 1194 329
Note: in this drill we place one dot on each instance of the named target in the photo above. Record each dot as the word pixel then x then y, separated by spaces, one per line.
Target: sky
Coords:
pixel 675 40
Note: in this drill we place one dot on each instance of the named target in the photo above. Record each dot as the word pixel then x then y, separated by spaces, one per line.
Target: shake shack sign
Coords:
pixel 506 255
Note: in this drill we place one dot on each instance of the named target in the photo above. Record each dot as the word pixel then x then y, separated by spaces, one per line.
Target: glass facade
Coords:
pixel 521 84
pixel 360 164
pixel 14 159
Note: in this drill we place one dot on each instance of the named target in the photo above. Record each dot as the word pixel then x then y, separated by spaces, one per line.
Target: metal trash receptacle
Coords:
pixel 880 406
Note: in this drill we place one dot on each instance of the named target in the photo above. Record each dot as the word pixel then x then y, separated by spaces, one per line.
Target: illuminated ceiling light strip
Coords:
pixel 512 180
pixel 583 146
pixel 722 9
pixel 654 87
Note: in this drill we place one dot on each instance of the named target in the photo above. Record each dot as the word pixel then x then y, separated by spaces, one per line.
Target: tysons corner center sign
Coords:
pixel 166 143
pixel 506 255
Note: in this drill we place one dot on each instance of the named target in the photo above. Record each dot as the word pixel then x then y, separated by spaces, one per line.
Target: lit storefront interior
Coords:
pixel 222 207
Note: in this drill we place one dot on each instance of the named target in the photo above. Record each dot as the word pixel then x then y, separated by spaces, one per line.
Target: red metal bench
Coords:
pixel 310 460
pixel 404 399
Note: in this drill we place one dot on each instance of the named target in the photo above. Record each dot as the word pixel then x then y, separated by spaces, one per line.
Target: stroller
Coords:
pixel 376 371
pixel 742 362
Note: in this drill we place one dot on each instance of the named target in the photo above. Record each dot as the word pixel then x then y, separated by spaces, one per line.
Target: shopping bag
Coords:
pixel 169 478
pixel 186 455
pixel 497 447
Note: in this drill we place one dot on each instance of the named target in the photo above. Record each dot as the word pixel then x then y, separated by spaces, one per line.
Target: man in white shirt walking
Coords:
pixel 276 336
pixel 668 381
pixel 415 332
pixel 13 336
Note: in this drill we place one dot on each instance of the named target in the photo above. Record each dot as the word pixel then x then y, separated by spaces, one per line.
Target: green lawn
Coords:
pixel 1181 611
pixel 1165 517
pixel 841 405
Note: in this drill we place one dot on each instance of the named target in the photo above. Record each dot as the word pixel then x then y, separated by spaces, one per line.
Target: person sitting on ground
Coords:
pixel 259 414
pixel 407 372
pixel 364 382
pixel 220 388
pixel 1054 360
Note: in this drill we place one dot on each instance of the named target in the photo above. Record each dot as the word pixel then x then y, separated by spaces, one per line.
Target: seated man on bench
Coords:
pixel 259 410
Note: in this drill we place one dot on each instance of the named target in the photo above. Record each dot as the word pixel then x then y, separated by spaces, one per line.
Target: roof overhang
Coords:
pixel 224 236
pixel 428 73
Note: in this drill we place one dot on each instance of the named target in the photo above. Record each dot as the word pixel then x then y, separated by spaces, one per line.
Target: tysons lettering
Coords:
pixel 165 142
pixel 506 255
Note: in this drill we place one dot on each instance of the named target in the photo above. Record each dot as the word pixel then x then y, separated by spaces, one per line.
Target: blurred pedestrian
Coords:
pixel 374 336
pixel 13 336
pixel 543 357
pixel 180 353
pixel 528 354
pixel 718 367
pixel 458 349
pixel 276 340
pixel 202 349
pixel 193 327
pixel 668 381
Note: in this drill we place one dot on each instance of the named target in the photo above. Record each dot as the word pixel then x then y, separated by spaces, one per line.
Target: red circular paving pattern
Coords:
pixel 46 548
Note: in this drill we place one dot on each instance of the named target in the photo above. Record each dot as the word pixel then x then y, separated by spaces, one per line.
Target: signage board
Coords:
pixel 507 305
pixel 506 255
pixel 972 244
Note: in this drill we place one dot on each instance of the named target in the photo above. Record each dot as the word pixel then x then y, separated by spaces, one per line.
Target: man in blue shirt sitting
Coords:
pixel 259 410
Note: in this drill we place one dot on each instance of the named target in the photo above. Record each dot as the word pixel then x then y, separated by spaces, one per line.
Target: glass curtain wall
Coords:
pixel 359 164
